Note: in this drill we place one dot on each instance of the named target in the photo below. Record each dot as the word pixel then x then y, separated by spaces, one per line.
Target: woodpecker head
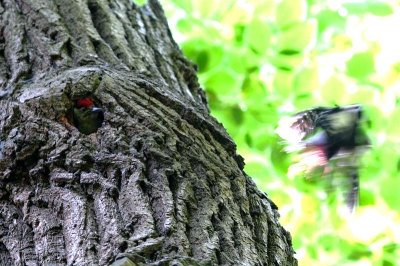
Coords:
pixel 87 117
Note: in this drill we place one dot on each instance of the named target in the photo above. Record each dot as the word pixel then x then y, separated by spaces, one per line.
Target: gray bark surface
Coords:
pixel 159 183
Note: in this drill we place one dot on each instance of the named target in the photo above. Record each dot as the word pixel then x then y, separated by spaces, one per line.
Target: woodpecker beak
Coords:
pixel 97 110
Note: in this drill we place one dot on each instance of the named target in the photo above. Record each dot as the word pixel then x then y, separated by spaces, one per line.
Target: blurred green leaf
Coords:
pixel 289 12
pixel 223 82
pixel 184 4
pixel 356 251
pixel 140 2
pixel 297 37
pixel 307 80
pixel 287 62
pixel 304 101
pixel 389 194
pixel 390 256
pixel 367 197
pixel 236 60
pixel 257 168
pixel 258 35
pixel 329 19
pixel 279 159
pixel 328 242
pixel 254 93
pixel 361 65
pixel 374 7
pixel 364 94
pixel 394 124
pixel 283 82
pixel 374 114
pixel 215 10
pixel 197 29
pixel 389 158
pixel 312 251
pixel 252 60
pixel 263 8
pixel 334 90
pixel 204 8
pixel 206 55
pixel 239 33
pixel 186 24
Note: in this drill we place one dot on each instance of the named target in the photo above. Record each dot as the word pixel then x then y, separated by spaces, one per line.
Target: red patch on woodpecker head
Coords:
pixel 86 102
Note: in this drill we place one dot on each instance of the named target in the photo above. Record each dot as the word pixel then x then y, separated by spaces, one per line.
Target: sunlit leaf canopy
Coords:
pixel 260 60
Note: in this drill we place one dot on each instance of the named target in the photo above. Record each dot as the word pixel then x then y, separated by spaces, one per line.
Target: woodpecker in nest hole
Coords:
pixel 328 139
pixel 87 117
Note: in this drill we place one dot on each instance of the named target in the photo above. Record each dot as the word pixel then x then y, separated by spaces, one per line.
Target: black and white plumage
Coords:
pixel 329 138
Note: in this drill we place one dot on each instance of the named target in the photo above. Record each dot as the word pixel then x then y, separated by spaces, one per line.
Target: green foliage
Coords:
pixel 297 37
pixel 377 8
pixel 256 41
pixel 262 59
pixel 361 65
pixel 289 12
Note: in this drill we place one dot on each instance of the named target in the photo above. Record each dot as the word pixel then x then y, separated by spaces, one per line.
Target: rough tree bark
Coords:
pixel 159 183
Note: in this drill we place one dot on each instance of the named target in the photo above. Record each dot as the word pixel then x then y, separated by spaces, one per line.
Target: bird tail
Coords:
pixel 351 195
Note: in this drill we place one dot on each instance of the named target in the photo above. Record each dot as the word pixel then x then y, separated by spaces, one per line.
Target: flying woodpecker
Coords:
pixel 87 117
pixel 328 139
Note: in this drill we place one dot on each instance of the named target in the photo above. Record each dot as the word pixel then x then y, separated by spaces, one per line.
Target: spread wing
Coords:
pixel 301 125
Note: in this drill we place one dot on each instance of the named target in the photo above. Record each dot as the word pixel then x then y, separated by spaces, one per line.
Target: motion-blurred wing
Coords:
pixel 298 126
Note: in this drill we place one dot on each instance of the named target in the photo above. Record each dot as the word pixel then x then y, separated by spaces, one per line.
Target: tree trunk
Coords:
pixel 159 183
